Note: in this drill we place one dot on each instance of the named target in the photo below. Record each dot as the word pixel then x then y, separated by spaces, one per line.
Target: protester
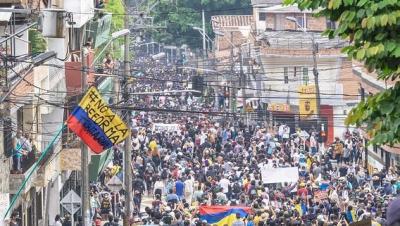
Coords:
pixel 183 161
pixel 58 221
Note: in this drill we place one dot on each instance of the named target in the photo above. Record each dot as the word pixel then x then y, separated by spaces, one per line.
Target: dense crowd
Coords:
pixel 188 161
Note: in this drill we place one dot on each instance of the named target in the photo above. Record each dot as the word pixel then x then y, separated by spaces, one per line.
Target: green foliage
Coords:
pixel 38 43
pixel 180 18
pixel 116 7
pixel 372 29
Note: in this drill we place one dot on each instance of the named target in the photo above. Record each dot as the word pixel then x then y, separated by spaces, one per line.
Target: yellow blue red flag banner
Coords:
pixel 222 215
pixel 96 124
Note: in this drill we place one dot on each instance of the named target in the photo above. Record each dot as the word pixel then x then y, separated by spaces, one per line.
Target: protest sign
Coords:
pixel 279 175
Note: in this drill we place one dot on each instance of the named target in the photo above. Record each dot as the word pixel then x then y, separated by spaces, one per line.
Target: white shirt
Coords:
pixel 313 142
pixel 189 185
pixel 224 183
pixel 286 132
pixel 159 185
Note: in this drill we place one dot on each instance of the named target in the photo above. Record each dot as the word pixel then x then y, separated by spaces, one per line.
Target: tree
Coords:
pixel 117 9
pixel 37 42
pixel 372 29
pixel 181 16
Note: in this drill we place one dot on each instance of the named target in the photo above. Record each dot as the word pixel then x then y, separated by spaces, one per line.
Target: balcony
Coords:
pixel 17 178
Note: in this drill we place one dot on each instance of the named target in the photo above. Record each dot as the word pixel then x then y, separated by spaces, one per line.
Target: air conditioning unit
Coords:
pixel 53 23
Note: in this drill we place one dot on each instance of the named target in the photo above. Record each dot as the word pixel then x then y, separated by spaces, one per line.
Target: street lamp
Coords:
pixel 204 34
pixel 114 36
pixel 315 70
pixel 293 19
pixel 120 33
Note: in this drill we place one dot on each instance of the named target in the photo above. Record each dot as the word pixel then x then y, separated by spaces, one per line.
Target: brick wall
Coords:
pixel 277 21
pixel 299 52
pixel 237 40
pixel 349 81
pixel 316 24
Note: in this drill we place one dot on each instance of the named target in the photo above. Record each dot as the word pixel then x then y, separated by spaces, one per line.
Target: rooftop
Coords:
pixel 284 9
pixel 299 39
pixel 231 21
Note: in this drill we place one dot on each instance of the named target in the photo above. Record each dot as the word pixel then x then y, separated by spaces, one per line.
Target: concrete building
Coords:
pixel 278 60
pixel 35 105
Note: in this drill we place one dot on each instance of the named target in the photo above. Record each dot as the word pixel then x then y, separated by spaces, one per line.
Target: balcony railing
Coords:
pixel 27 162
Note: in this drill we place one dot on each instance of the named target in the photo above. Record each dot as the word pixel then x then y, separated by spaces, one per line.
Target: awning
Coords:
pixel 6 16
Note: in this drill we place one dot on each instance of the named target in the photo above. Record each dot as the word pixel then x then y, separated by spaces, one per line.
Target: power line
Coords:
pixel 177 81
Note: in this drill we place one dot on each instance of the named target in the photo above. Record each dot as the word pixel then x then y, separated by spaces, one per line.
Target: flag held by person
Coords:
pixel 95 123
pixel 222 215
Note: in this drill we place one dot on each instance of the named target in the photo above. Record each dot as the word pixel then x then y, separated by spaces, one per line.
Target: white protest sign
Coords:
pixel 279 175
pixel 165 127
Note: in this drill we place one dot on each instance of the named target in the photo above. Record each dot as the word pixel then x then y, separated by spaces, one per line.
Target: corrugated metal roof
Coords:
pixel 231 21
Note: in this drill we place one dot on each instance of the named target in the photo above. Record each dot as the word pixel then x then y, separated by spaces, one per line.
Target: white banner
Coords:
pixel 165 127
pixel 279 175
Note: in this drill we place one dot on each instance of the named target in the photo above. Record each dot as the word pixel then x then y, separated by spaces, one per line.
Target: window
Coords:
pixel 296 71
pixel 262 16
pixel 285 75
pixel 375 149
pixel 305 76
pixel 302 23
pixel 330 24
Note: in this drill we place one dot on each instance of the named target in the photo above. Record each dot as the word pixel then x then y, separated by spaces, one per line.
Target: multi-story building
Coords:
pixel 286 59
pixel 36 96
pixel 284 36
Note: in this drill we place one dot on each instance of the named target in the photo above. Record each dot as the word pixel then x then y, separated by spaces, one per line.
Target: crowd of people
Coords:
pixel 191 160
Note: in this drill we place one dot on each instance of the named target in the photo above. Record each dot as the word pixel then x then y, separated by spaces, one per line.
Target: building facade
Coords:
pixel 34 94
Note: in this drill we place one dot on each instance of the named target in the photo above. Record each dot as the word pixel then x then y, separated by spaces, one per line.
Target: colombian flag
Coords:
pixel 301 209
pixel 94 122
pixel 222 215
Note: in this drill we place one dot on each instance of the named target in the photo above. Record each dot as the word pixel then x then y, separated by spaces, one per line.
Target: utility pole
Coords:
pixel 231 89
pixel 84 151
pixel 362 94
pixel 127 153
pixel 5 136
pixel 316 80
pixel 243 86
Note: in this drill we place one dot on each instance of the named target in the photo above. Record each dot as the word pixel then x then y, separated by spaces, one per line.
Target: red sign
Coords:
pixel 320 195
